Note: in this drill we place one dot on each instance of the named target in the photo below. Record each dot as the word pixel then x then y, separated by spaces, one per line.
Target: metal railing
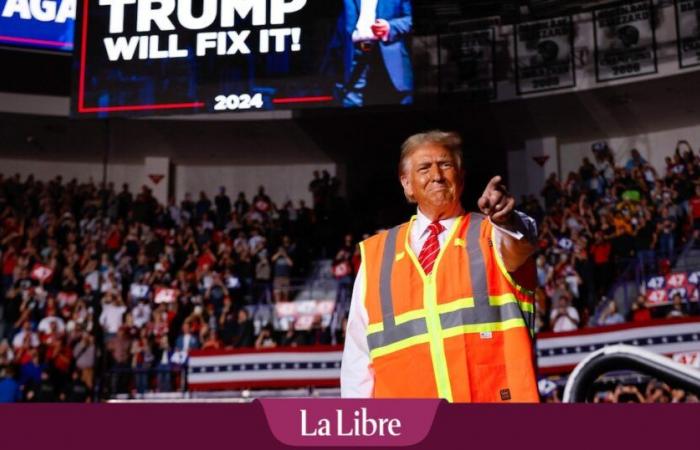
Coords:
pixel 624 357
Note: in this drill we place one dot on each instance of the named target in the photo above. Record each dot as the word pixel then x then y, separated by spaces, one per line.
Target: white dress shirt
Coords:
pixel 363 29
pixel 356 378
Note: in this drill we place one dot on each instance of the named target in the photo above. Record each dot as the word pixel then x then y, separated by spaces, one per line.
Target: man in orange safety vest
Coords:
pixel 442 306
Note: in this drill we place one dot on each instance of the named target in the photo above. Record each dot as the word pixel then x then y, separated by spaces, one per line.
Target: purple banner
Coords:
pixel 243 426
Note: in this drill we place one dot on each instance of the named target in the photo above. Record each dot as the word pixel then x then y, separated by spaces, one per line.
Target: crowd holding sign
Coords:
pixel 42 273
pixel 660 290
pixel 467 63
pixel 691 359
pixel 625 43
pixel 544 55
pixel 688 31
pixel 166 295
pixel 303 314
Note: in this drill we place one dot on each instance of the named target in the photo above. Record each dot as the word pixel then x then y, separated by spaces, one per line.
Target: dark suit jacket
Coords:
pixel 395 50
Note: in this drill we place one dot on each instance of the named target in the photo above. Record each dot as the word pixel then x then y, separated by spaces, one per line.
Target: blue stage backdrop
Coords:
pixel 38 24
pixel 187 56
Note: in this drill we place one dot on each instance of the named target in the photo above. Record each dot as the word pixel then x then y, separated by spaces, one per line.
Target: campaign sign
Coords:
pixel 301 314
pixel 688 32
pixel 41 24
pixel 544 52
pixel 660 290
pixel 467 63
pixel 625 41
pixel 187 56
pixel 41 273
pixel 166 295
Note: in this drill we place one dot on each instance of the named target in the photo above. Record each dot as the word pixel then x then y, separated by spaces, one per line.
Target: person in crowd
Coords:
pixel 282 269
pixel 564 317
pixel 244 333
pixel 10 391
pixel 223 207
pixel 639 311
pixel 678 307
pixel 343 270
pixel 611 316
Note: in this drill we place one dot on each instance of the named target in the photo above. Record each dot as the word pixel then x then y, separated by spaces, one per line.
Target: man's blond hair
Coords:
pixel 447 139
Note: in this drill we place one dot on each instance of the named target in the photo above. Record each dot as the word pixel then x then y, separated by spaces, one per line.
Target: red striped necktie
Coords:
pixel 431 248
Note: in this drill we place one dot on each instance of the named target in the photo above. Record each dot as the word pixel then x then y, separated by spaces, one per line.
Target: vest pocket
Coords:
pixel 489 383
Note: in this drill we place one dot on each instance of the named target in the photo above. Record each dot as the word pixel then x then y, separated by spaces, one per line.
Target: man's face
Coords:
pixel 431 177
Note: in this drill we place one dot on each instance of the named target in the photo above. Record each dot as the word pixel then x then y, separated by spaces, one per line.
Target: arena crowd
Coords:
pixel 603 219
pixel 99 280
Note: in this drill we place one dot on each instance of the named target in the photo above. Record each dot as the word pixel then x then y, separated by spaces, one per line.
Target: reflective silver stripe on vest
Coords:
pixel 392 332
pixel 477 315
pixel 477 266
pixel 529 321
pixel 481 313
pixel 385 295
pixel 397 333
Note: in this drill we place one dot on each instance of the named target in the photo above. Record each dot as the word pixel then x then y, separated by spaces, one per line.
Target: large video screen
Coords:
pixel 38 24
pixel 204 56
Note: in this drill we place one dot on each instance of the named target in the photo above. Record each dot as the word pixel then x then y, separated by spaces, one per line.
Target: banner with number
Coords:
pixel 166 295
pixel 544 55
pixel 688 32
pixel 625 41
pixel 660 290
pixel 302 314
pixel 41 273
pixel 691 359
pixel 467 63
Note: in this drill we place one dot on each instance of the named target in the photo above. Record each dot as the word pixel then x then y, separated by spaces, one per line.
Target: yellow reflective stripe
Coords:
pixel 501 300
pixel 527 307
pixel 502 267
pixel 481 327
pixel 401 345
pixel 410 315
pixel 375 328
pixel 450 332
pixel 412 256
pixel 460 303
pixel 437 348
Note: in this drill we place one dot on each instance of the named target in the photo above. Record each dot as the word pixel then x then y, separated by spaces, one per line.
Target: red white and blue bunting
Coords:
pixel 557 353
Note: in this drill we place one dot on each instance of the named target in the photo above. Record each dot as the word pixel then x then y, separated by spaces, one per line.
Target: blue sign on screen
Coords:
pixel 46 24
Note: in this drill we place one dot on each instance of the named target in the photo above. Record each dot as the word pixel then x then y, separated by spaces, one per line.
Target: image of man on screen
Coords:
pixel 376 61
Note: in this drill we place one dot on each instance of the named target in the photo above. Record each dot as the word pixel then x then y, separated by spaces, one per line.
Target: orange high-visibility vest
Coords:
pixel 462 333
